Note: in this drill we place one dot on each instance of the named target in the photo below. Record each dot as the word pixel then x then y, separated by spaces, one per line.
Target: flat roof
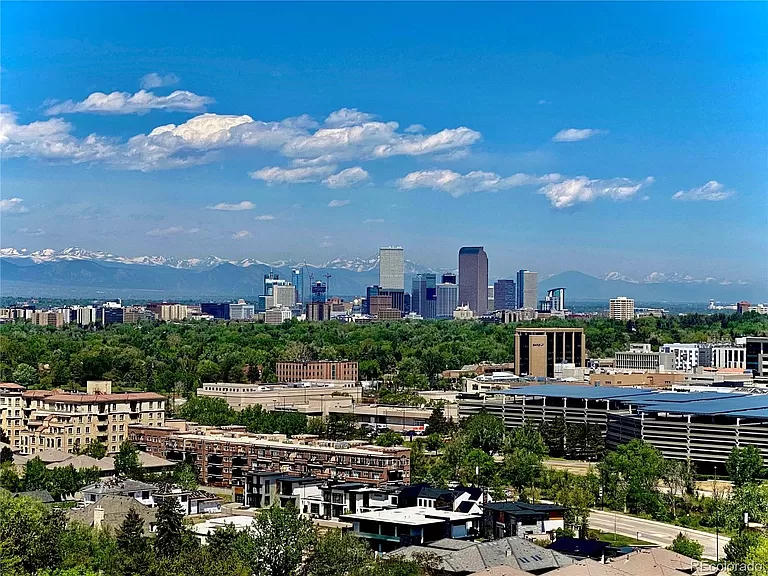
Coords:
pixel 733 403
pixel 576 391
pixel 412 516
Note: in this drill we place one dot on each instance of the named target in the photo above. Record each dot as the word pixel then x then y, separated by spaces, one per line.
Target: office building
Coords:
pixel 377 302
pixel 241 310
pixel 316 397
pixel 69 421
pixel 447 299
pixel 85 315
pixel 219 310
pixel 342 370
pixel 318 312
pixel 491 304
pixel 136 314
pixel 283 295
pixel 222 457
pixel 319 292
pixel 110 313
pixel 388 314
pixel 622 309
pixel 297 279
pixel 276 316
pixel 473 279
pixel 757 355
pixel 504 295
pixel 448 278
pixel 48 318
pixel 687 356
pixel 729 356
pixel 463 313
pixel 527 289
pixel 392 268
pixel 168 312
pixel 537 350
pixel 424 296
pixel 643 359
pixel 554 301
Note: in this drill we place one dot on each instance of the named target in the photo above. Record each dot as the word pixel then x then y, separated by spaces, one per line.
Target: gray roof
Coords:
pixel 43 495
pixel 476 556
pixel 115 509
pixel 113 486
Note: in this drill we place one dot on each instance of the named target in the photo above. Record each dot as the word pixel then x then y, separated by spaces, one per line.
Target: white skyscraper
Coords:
pixel 391 268
pixel 622 309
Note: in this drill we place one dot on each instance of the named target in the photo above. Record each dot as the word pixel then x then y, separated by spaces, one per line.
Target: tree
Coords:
pixel 738 550
pixel 687 546
pixel 127 463
pixel 184 475
pixel 419 461
pixel 339 554
pixel 437 423
pixel 389 438
pixel 678 477
pixel 434 443
pixel 316 426
pixel 522 469
pixel 553 434
pixel 527 438
pixel 744 465
pixel 25 375
pixel 9 478
pixel 484 432
pixel 478 469
pixel 630 475
pixel 578 494
pixel 170 528
pixel 6 455
pixel 757 559
pixel 280 537
pixel 96 450
pixel 35 475
pixel 130 534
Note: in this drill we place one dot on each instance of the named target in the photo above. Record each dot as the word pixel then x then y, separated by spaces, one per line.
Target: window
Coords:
pixel 145 495
pixel 314 508
pixel 266 500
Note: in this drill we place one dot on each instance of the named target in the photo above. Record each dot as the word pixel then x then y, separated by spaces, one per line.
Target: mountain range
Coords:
pixel 76 272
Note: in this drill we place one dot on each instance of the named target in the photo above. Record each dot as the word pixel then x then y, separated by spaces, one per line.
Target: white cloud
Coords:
pixel 236 207
pixel 241 235
pixel 712 191
pixel 276 175
pixel 449 139
pixel 374 221
pixel 31 232
pixel 347 117
pixel 264 217
pixel 544 102
pixel 346 178
pixel 13 206
pixel 582 189
pixel 126 103
pixel 326 245
pixel 338 203
pixel 155 80
pixel 457 184
pixel 415 129
pixel 576 134
pixel 172 231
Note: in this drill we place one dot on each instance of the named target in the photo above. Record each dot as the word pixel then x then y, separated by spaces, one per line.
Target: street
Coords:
pixel 656 532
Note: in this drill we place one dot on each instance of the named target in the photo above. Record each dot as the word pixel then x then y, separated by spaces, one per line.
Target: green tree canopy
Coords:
pixel 744 465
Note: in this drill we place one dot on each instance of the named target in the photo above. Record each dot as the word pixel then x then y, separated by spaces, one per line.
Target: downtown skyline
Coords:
pixel 555 149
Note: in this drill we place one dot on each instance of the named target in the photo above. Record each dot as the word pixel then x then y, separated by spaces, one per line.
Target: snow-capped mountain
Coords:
pixel 669 278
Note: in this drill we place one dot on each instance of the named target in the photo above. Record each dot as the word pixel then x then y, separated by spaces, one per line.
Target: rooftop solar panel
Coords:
pixel 741 403
pixel 575 391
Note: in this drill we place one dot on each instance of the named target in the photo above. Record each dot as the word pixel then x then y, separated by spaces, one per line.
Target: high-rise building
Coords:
pixel 473 279
pixel 757 355
pixel 527 289
pixel 424 295
pixel 318 311
pixel 447 299
pixel 283 295
pixel 491 304
pixel 392 268
pixel 269 280
pixel 537 350
pixel 219 310
pixel 298 283
pixel 622 309
pixel 241 310
pixel 319 292
pixel 555 300
pixel 448 278
pixel 504 295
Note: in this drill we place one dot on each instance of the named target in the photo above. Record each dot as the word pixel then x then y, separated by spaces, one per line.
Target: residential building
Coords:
pixel 204 529
pixel 219 310
pixel 424 295
pixel 110 512
pixel 505 519
pixel 48 318
pixel 687 356
pixel 339 498
pixel 189 501
pixel 622 309
pixel 389 529
pixel 537 350
pixel 284 295
pixel 504 295
pixel 343 370
pixel 67 421
pixel 169 312
pixel 318 312
pixel 241 310
pixel 142 492
pixel 463 312
pixel 446 299
pixel 459 499
pixel 223 455
pixel 311 397
pixel 276 316
pixel 757 355
pixel 527 289
pixel 11 413
pixel 258 489
pixel 473 279
pixel 392 268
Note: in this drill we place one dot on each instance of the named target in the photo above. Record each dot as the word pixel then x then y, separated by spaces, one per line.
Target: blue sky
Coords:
pixel 595 137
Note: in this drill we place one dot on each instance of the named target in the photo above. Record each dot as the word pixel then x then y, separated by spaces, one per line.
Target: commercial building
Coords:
pixel 622 309
pixel 473 279
pixel 424 295
pixel 403 419
pixel 390 314
pixel 448 278
pixel 219 310
pixel 728 356
pixel 222 456
pixel 447 299
pixel 463 312
pixel 504 295
pixel 318 311
pixel 554 301
pixel 662 380
pixel 491 303
pixel 283 295
pixel 310 397
pixel 527 289
pixel 757 355
pixel 640 357
pixel 136 314
pixel 319 292
pixel 537 350
pixel 110 313
pixel 343 370
pixel 241 310
pixel 276 316
pixel 54 419
pixel 392 268
pixel 686 355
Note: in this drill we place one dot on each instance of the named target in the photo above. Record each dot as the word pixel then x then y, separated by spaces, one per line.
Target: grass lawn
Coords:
pixel 618 539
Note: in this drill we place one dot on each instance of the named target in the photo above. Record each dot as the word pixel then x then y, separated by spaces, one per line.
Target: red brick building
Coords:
pixel 319 370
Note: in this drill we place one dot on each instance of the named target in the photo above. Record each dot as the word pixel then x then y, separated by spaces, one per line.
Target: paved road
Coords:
pixel 656 532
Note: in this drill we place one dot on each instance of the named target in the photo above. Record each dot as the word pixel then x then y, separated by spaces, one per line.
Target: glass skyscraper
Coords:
pixel 504 295
pixel 527 289
pixel 424 295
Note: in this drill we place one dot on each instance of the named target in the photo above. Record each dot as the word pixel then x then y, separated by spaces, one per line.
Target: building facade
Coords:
pixel 312 398
pixel 318 312
pixel 728 356
pixel 527 289
pixel 424 295
pixel 241 310
pixel 537 350
pixel 686 355
pixel 622 309
pixel 11 413
pixel 504 295
pixel 447 299
pixel 392 268
pixel 342 370
pixel 473 279
pixel 644 360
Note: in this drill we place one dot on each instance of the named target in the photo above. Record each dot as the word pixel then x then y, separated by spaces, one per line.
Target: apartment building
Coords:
pixel 317 370
pixel 687 356
pixel 53 419
pixel 222 456
pixel 11 415
pixel 622 309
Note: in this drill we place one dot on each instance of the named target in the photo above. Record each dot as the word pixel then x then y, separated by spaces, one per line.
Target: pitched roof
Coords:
pixel 654 560
pixel 501 571
pixel 106 464
pixel 150 461
pixel 115 509
pixel 113 486
pixel 49 456
pixel 43 495
pixel 524 508
pixel 589 568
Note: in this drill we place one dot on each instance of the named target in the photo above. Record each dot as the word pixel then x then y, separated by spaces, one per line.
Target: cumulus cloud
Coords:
pixel 126 103
pixel 576 134
pixel 337 203
pixel 171 231
pixel 236 207
pixel 347 117
pixel 582 189
pixel 457 184
pixel 155 80
pixel 346 178
pixel 13 206
pixel 276 175
pixel 415 129
pixel 264 217
pixel 241 235
pixel 712 191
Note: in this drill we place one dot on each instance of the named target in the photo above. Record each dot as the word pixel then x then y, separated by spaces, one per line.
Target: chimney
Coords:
pixel 98 516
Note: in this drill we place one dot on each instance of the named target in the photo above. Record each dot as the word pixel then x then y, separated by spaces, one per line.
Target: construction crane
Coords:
pixel 328 284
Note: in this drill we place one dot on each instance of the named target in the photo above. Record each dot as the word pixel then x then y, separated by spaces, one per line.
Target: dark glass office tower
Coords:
pixel 473 279
pixel 504 295
pixel 424 295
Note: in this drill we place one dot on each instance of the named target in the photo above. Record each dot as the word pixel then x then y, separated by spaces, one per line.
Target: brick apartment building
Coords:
pixel 317 370
pixel 222 456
